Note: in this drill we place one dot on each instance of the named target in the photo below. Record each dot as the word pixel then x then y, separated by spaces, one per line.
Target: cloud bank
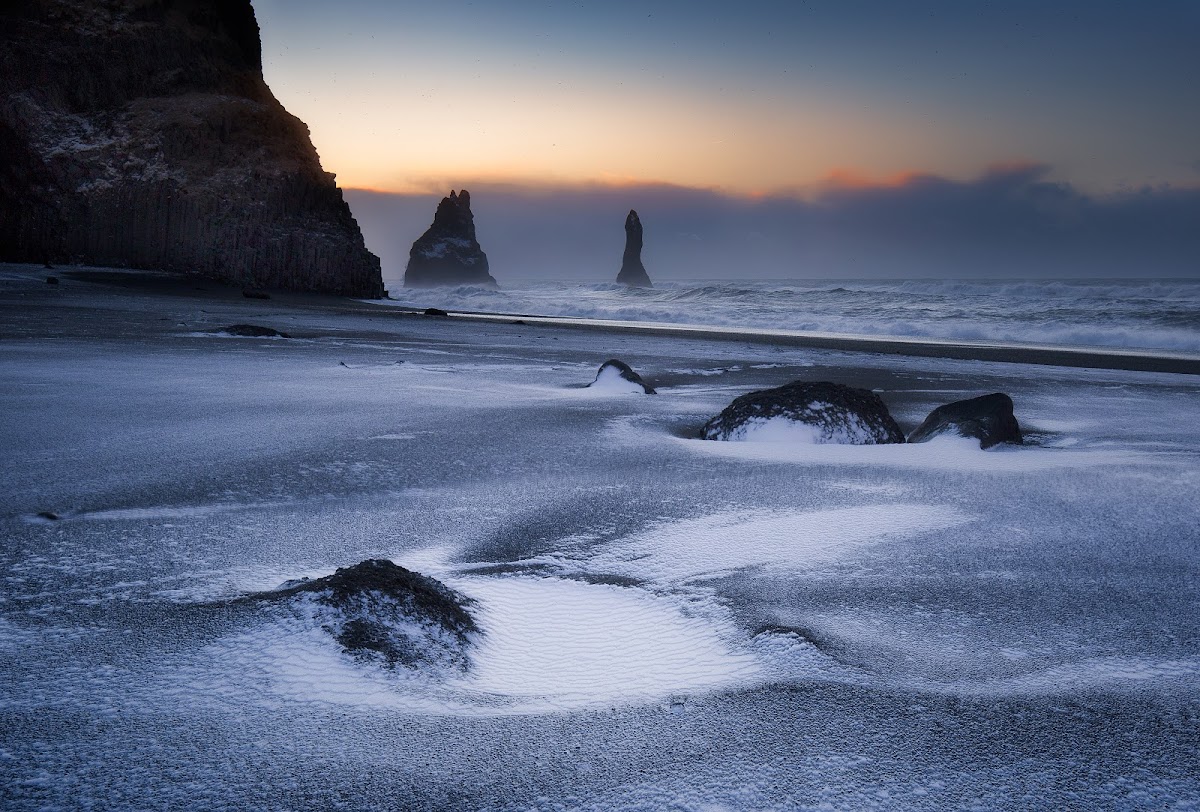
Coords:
pixel 1009 222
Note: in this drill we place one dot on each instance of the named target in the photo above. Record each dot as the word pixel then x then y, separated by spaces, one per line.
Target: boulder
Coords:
pixel 448 253
pixel 252 331
pixel 988 419
pixel 142 134
pixel 382 612
pixel 435 311
pixel 820 412
pixel 618 376
pixel 632 272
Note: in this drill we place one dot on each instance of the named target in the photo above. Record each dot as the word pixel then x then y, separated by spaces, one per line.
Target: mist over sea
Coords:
pixel 1134 314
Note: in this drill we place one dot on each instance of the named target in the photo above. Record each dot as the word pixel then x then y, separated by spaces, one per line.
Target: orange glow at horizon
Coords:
pixel 380 136
pixel 838 178
pixel 399 97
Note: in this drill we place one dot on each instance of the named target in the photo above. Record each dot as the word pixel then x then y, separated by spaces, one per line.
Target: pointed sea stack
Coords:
pixel 141 134
pixel 633 273
pixel 448 253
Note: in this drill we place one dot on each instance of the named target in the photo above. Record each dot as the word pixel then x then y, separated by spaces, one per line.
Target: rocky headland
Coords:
pixel 448 252
pixel 141 134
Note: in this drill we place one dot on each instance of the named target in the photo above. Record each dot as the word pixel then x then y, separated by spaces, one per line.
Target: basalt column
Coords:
pixel 141 134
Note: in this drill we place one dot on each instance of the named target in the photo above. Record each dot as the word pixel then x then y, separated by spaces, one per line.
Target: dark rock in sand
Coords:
pixel 49 516
pixel 836 414
pixel 51 280
pixel 141 134
pixel 252 331
pixel 448 253
pixel 435 311
pixel 632 272
pixel 988 419
pixel 380 611
pixel 251 293
pixel 613 369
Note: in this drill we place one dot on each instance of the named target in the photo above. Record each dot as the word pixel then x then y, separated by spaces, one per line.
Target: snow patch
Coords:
pixel 722 543
pixel 569 644
pixel 947 452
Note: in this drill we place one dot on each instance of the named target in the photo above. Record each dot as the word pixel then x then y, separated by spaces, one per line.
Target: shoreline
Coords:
pixel 1042 355
pixel 162 283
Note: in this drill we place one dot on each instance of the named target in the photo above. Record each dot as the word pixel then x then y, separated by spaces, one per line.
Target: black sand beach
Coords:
pixel 669 622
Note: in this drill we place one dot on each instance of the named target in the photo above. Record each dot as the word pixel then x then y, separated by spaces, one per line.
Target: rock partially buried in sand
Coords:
pixel 988 419
pixel 383 612
pixel 254 293
pixel 252 331
pixel 618 376
pixel 800 411
pixel 435 311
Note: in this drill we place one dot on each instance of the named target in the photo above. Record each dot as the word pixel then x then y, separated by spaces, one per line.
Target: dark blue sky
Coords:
pixel 808 110
pixel 753 96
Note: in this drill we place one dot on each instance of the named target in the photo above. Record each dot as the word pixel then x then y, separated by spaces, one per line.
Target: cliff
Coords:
pixel 633 272
pixel 140 133
pixel 448 253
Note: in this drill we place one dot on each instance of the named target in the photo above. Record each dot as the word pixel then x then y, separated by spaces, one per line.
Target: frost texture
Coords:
pixel 665 622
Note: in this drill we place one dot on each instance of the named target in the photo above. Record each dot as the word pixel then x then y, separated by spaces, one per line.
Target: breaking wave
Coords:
pixel 1134 314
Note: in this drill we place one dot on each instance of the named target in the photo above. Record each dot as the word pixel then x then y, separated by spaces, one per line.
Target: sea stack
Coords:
pixel 633 273
pixel 448 253
pixel 142 135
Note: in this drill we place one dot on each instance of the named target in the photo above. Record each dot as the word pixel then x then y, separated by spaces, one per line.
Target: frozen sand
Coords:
pixel 672 623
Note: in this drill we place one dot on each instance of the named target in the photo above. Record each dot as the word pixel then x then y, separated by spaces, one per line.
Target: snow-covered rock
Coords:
pixel 617 376
pixel 988 419
pixel 800 411
pixel 380 611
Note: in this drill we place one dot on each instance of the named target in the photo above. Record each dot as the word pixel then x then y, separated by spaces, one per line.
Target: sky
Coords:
pixel 788 115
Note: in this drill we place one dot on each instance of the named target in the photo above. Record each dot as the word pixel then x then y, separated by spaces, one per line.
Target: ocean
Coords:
pixel 1156 314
